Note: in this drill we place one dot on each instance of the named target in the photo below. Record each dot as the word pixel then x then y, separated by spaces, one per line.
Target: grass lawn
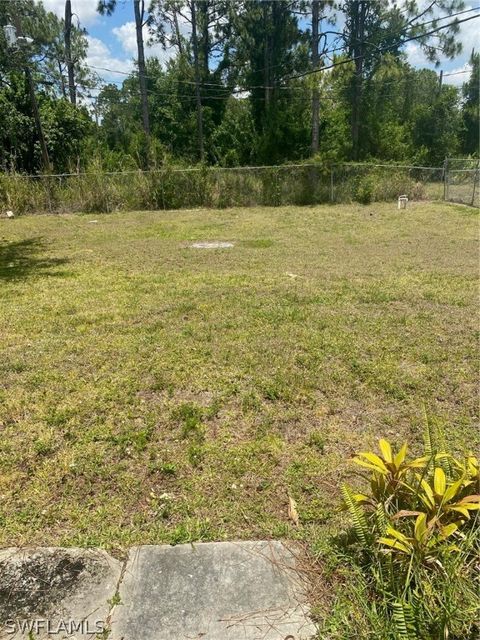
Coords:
pixel 151 392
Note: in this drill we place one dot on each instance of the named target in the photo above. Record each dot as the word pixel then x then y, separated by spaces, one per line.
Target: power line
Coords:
pixel 311 71
pixel 237 91
pixel 456 73
pixel 303 89
pixel 382 49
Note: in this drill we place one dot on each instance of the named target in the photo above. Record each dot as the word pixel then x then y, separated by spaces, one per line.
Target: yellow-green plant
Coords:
pixel 444 510
pixel 388 471
pixel 415 514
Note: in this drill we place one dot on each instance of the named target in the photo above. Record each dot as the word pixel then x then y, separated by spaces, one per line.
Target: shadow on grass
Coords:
pixel 21 259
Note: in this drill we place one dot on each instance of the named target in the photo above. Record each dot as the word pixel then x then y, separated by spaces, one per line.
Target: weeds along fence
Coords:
pixel 215 187
pixel 462 181
pixel 375 183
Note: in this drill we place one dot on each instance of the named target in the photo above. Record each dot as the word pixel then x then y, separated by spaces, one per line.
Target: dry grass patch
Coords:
pixel 155 393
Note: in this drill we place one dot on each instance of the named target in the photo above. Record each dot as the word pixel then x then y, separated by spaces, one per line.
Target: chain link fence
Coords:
pixel 367 182
pixel 166 188
pixel 462 178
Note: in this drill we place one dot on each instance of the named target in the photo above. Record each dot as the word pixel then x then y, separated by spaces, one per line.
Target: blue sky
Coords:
pixel 112 40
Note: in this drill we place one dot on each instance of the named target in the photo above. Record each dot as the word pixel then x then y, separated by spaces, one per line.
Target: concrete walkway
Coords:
pixel 208 591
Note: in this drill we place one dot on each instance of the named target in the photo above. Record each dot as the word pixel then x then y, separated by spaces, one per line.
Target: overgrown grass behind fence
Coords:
pixel 216 188
pixel 463 181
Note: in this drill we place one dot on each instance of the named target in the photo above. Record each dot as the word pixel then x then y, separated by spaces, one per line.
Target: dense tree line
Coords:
pixel 246 82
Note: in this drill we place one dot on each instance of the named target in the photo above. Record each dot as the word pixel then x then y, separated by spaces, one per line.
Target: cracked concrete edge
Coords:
pixel 113 600
pixel 129 564
pixel 286 558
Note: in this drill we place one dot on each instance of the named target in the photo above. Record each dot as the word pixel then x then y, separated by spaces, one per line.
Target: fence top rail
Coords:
pixel 283 167
pixel 388 166
pixel 159 170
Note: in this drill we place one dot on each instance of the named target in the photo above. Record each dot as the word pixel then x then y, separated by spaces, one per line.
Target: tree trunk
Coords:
pixel 357 98
pixel 139 8
pixel 177 32
pixel 33 100
pixel 198 99
pixel 315 61
pixel 72 90
pixel 203 6
pixel 266 55
pixel 38 122
pixel 62 79
pixel 358 52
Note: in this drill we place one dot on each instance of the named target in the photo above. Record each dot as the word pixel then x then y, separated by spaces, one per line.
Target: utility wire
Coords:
pixel 238 91
pixel 381 49
pixel 311 71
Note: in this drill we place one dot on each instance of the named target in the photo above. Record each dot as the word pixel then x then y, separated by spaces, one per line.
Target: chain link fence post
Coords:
pixel 475 180
pixel 445 179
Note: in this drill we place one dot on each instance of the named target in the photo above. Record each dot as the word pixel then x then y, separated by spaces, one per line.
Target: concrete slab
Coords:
pixel 212 245
pixel 56 593
pixel 213 591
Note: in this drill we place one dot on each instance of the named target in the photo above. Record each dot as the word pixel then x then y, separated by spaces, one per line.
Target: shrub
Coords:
pixel 415 529
pixel 418 191
pixel 364 190
pixel 170 188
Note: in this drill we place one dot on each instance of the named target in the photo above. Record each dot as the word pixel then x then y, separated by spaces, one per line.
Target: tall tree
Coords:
pixel 375 26
pixel 108 7
pixel 68 52
pixel 315 64
pixel 196 65
pixel 139 11
pixel 201 33
pixel 358 13
pixel 51 128
pixel 48 51
pixel 33 98
pixel 269 47
pixel 319 48
pixel 470 108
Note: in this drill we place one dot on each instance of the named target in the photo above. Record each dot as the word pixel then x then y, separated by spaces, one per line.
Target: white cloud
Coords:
pixel 458 76
pixel 127 37
pixel 416 56
pixel 99 55
pixel 468 36
pixel 85 10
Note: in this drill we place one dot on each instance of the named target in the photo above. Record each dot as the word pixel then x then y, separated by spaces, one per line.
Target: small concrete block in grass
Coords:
pixel 212 245
pixel 56 593
pixel 212 591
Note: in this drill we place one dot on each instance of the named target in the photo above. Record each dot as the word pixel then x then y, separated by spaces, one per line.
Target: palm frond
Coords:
pixel 428 435
pixel 404 620
pixel 381 519
pixel 357 514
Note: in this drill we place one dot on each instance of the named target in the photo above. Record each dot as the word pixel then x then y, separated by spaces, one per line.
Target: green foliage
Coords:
pixel 404 620
pixel 416 526
pixel 364 190
pixel 317 440
pixel 353 504
pixel 437 126
pixel 173 188
pixel 234 139
pixel 190 417
pixel 471 108
pixel 255 101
